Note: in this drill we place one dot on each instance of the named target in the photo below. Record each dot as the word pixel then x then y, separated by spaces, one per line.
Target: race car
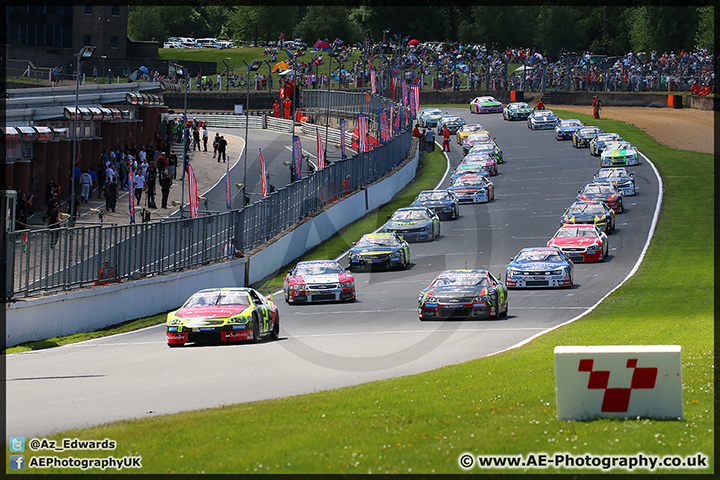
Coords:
pixel 566 128
pixel 542 120
pixel 453 122
pixel 485 104
pixel 441 202
pixel 603 192
pixel 583 136
pixel 475 139
pixel 464 295
pixel 467 129
pixel 318 281
pixel 619 176
pixel 379 250
pixel 597 144
pixel 516 111
pixel 429 117
pixel 593 213
pixel 540 267
pixel 619 154
pixel 219 315
pixel 472 188
pixel 491 149
pixel 413 224
pixel 484 160
pixel 581 243
pixel 481 167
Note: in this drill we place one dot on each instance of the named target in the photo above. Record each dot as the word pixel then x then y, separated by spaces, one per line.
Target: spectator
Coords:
pixel 165 185
pixel 54 224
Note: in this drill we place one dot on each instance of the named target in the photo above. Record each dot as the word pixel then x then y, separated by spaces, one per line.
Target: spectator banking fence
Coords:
pixel 49 260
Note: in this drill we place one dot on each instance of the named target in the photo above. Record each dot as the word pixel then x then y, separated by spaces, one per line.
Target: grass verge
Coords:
pixel 503 404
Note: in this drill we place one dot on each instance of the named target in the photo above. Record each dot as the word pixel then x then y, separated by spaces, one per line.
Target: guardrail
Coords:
pixel 67 258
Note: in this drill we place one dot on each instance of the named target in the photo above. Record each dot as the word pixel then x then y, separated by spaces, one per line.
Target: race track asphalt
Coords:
pixel 135 375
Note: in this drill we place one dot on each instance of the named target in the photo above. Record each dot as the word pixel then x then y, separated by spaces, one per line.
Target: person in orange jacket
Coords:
pixel 287 103
pixel 446 139
pixel 540 105
pixel 276 109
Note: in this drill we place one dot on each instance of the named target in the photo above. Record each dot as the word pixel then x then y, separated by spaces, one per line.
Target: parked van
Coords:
pixel 206 42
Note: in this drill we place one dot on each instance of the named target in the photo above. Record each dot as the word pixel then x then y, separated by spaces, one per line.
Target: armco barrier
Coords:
pixel 92 309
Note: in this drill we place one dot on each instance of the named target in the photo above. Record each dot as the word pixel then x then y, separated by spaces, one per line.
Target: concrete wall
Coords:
pixel 95 308
pixel 702 103
pixel 609 99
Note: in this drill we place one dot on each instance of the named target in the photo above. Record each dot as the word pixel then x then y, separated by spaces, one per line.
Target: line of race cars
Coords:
pixel 243 314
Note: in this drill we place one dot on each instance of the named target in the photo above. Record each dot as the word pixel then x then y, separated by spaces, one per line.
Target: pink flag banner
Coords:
pixel 263 177
pixel 192 186
pixel 362 132
pixel 373 85
pixel 320 151
pixel 342 138
pixel 297 158
pixel 131 197
pixel 228 197
pixel 415 89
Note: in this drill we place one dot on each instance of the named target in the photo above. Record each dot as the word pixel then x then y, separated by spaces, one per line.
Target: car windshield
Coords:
pixel 571 123
pixel 483 147
pixel 543 113
pixel 403 215
pixel 461 281
pixel 471 180
pixel 479 138
pixel 598 190
pixel 614 173
pixel 472 128
pixel 470 168
pixel 608 138
pixel 586 209
pixel 539 256
pixel 427 197
pixel 474 158
pixel 378 240
pixel 207 299
pixel 520 105
pixel 318 269
pixel 576 232
pixel 431 112
pixel 589 131
pixel 618 147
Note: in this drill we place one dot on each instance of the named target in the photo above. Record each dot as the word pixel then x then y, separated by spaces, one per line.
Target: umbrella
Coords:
pixel 413 42
pixel 522 68
pixel 144 69
pixel 134 75
pixel 280 66
pixel 287 72
pixel 321 45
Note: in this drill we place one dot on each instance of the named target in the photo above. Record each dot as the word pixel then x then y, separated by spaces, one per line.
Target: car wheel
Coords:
pixel 275 334
pixel 404 264
pixel 504 314
pixel 256 329
pixel 287 297
pixel 175 345
pixel 622 207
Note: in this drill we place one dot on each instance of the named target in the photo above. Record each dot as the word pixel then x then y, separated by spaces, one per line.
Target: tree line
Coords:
pixel 602 29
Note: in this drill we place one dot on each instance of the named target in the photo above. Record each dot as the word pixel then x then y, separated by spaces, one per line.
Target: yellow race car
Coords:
pixel 466 130
pixel 219 315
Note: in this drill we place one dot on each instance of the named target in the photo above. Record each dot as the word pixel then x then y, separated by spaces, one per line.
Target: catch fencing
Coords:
pixel 51 260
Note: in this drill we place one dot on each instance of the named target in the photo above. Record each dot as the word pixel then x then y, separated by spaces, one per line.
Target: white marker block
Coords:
pixel 623 381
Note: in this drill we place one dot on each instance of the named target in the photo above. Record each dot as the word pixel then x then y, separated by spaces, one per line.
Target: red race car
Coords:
pixel 318 281
pixel 581 243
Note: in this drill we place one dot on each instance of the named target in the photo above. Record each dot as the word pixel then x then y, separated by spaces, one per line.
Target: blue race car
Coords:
pixel 593 213
pixel 566 128
pixel 542 119
pixel 516 111
pixel 441 202
pixel 619 176
pixel 379 250
pixel 429 117
pixel 453 122
pixel 540 267
pixel 598 144
pixel 413 224
pixel 584 136
pixel 473 188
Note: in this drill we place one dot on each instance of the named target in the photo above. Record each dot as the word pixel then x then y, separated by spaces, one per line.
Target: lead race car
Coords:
pixel 219 315
pixel 379 250
pixel 464 295
pixel 485 104
pixel 441 202
pixel 540 267
pixel 318 281
pixel 413 224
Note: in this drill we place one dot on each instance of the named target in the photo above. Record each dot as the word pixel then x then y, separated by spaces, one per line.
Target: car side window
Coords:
pixel 256 298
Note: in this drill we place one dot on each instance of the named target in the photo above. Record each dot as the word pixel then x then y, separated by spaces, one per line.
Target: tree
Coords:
pixel 327 22
pixel 261 22
pixel 705 36
pixel 146 23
